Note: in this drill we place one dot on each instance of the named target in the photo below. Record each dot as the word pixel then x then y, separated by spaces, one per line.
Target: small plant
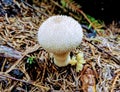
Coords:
pixel 30 60
pixel 63 3
pixel 95 22
pixel 90 21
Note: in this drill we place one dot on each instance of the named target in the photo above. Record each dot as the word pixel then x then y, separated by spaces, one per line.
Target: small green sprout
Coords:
pixel 30 60
pixel 63 3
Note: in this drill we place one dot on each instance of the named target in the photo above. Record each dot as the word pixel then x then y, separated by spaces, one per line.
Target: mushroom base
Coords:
pixel 61 59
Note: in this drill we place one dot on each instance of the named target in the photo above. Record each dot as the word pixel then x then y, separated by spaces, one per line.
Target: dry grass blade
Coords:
pixel 117 78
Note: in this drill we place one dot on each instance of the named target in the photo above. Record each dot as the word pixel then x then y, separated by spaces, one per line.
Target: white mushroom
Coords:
pixel 59 35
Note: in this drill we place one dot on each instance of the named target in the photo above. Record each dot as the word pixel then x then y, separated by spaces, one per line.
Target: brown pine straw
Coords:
pixel 19 33
pixel 117 78
pixel 2 74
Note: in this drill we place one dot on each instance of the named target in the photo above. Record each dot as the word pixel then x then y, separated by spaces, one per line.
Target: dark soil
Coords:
pixel 106 10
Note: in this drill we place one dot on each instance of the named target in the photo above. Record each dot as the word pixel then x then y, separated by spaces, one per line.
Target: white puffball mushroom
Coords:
pixel 59 35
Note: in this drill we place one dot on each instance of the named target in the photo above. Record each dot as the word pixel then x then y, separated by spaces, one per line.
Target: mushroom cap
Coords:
pixel 60 34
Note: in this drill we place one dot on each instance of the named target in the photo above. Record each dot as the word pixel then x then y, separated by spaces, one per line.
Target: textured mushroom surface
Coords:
pixel 60 34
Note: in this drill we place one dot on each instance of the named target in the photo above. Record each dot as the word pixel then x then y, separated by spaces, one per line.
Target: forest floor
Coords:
pixel 27 67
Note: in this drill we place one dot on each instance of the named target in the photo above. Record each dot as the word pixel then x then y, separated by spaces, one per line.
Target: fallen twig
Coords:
pixel 9 52
pixel 2 75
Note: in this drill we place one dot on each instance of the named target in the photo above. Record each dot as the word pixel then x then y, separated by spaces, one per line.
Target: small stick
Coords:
pixel 28 82
pixel 16 63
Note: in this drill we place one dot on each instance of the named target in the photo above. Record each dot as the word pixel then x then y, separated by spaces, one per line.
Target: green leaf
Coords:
pixel 63 3
pixel 30 60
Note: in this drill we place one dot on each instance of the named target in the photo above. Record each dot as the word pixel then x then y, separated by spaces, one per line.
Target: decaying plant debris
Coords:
pixel 21 55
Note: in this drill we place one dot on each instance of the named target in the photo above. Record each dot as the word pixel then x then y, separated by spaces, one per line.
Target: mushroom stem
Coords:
pixel 62 59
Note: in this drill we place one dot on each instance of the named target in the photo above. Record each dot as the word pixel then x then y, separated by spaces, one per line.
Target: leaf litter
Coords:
pixel 18 43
